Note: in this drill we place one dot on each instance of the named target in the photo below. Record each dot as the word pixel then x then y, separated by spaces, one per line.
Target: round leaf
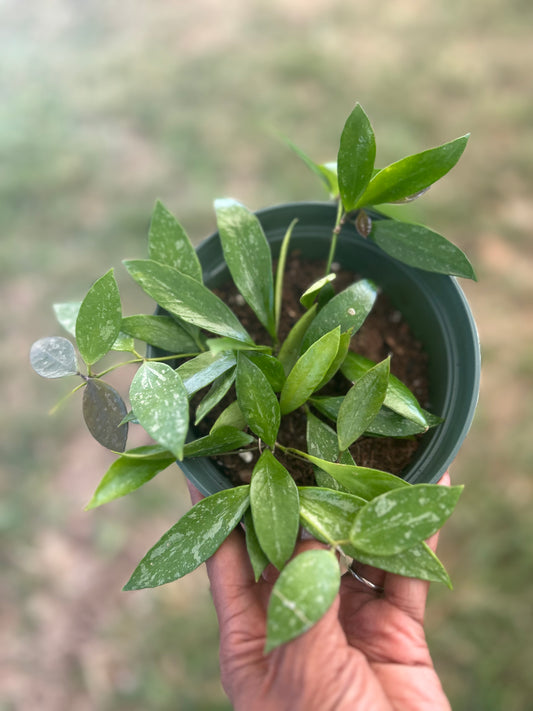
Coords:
pixel 104 412
pixel 99 319
pixel 303 593
pixel 53 357
pixel 159 400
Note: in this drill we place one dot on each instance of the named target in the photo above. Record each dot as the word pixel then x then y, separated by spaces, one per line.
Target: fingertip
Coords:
pixel 445 480
pixel 196 496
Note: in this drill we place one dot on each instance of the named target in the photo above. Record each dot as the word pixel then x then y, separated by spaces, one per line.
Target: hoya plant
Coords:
pixel 200 355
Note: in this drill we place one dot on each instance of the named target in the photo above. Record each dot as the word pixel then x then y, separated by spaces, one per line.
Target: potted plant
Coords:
pixel 206 365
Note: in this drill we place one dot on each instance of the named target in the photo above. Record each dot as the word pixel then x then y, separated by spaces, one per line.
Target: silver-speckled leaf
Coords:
pixel 103 412
pixel 53 357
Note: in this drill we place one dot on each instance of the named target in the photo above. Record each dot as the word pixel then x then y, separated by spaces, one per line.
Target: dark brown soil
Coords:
pixel 384 332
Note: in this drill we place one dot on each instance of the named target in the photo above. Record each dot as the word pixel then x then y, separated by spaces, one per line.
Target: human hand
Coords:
pixel 368 653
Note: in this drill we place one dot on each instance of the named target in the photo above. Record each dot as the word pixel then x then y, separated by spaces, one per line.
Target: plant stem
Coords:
pixel 56 407
pixel 143 360
pixel 334 236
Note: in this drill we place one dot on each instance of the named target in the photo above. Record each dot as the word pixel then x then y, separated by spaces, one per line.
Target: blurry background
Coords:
pixel 107 106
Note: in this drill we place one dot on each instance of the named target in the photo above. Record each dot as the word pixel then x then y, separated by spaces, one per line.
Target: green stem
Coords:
pixel 335 236
pixel 142 360
pixel 64 399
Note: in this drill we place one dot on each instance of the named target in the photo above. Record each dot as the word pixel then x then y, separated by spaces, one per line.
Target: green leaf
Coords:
pixel 290 349
pixel 147 452
pixel 248 257
pixel 398 397
pixel 257 557
pixel 416 562
pixel 159 399
pixel 192 540
pixel 231 416
pixel 218 389
pixel 361 481
pixel 280 274
pixel 302 594
pixel 99 319
pixel 169 244
pixel 412 174
pixel 103 412
pixel 204 369
pixel 362 403
pixel 397 520
pixel 123 343
pixel 348 309
pixel 344 346
pixel 160 331
pixel 420 247
pixel 355 161
pixel 257 400
pixel 222 440
pixel 66 315
pixel 310 294
pixel 322 442
pixel 126 474
pixel 53 357
pixel 328 515
pixel 186 298
pixel 271 367
pixel 326 173
pixel 275 510
pixel 217 345
pixel 308 371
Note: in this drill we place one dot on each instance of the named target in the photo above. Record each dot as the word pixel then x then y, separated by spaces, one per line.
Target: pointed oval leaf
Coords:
pixel 53 357
pixel 308 371
pixel 348 309
pixel 420 247
pixel 169 244
pixel 310 294
pixel 218 389
pixel 256 554
pixel 302 594
pixel 217 345
pixel 290 349
pixel 362 403
pixel 223 439
pixel 231 416
pixel 99 319
pixel 275 510
pixel 66 315
pixel 160 331
pixel 205 369
pixel 322 442
pixel 104 411
pixel 159 399
pixel 257 400
pixel 355 161
pixel 192 540
pixel 399 519
pixel 326 172
pixel 329 515
pixel 271 367
pixel 413 174
pixel 183 296
pixel 416 562
pixel 125 475
pixel 247 254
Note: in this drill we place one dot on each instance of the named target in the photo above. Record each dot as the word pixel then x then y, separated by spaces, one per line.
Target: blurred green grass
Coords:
pixel 102 112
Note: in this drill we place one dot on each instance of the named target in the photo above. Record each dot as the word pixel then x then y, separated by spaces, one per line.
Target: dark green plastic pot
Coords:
pixel 433 305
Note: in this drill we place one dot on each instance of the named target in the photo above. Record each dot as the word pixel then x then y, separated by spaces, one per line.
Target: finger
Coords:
pixel 196 496
pixel 410 594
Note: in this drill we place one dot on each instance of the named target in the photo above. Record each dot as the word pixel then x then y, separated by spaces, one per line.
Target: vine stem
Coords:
pixel 334 236
pixel 143 360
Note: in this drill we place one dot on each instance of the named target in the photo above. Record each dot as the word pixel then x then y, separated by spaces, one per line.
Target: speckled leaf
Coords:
pixel 418 246
pixel 168 243
pixel 290 349
pixel 303 593
pixel 218 389
pixel 399 519
pixel 256 555
pixel 322 442
pixel 412 174
pixel 362 403
pixel 247 254
pixel 275 511
pixel 160 331
pixel 53 357
pixel 416 562
pixel 183 296
pixel 127 474
pixel 205 369
pixel 348 309
pixel 308 371
pixel 329 515
pixel 99 319
pixel 223 439
pixel 355 160
pixel 271 367
pixel 66 315
pixel 159 400
pixel 103 412
pixel 310 294
pixel 398 397
pixel 257 400
pixel 192 540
